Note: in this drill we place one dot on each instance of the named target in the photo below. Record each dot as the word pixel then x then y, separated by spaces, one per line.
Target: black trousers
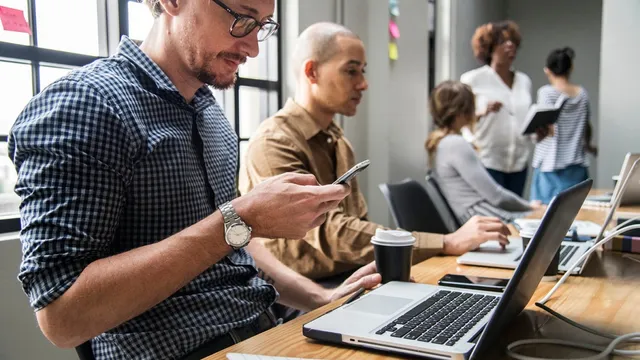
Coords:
pixel 264 322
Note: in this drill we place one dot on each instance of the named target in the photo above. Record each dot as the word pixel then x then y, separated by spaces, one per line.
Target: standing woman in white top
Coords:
pixel 503 97
pixel 560 160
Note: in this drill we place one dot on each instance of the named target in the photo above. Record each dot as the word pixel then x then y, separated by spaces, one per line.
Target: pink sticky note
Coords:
pixel 393 29
pixel 13 20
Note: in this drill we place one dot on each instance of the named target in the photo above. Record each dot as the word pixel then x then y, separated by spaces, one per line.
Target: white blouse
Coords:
pixel 497 135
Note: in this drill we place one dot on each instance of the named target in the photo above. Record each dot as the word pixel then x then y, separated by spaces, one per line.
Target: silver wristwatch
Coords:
pixel 236 233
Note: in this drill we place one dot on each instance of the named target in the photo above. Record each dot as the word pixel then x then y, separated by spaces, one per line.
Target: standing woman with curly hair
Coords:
pixel 503 97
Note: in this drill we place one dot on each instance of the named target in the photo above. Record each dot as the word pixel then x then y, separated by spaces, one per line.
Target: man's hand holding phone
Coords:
pixel 352 172
pixel 288 205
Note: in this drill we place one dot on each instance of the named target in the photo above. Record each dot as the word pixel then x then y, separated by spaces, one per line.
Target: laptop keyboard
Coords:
pixel 444 318
pixel 566 253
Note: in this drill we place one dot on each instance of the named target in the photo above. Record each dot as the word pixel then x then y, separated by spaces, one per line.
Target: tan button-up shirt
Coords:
pixel 291 141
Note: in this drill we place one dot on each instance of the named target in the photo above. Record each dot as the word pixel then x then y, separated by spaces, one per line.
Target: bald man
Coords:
pixel 329 62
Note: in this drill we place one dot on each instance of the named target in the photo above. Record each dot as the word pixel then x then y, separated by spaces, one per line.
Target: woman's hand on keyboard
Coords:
pixel 476 231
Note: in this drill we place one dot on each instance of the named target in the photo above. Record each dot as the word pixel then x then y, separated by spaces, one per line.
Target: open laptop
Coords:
pixel 449 323
pixel 631 195
pixel 491 254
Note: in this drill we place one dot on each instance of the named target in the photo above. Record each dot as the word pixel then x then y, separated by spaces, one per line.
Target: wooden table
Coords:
pixel 606 296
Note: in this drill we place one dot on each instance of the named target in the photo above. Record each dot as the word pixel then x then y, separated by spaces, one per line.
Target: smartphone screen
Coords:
pixel 474 282
pixel 352 172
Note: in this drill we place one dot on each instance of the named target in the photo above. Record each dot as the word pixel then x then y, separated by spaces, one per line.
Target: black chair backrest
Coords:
pixel 412 208
pixel 84 351
pixel 441 203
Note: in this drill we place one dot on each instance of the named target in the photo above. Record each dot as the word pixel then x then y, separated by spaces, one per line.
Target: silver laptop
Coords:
pixel 630 197
pixel 449 323
pixel 491 254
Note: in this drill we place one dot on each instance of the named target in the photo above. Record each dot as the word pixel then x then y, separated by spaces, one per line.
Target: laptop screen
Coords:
pixel 545 243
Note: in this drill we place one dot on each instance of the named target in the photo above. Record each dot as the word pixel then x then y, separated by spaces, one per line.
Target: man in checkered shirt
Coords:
pixel 122 167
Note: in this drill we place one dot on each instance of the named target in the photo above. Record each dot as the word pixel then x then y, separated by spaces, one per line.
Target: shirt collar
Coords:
pixel 128 49
pixel 306 124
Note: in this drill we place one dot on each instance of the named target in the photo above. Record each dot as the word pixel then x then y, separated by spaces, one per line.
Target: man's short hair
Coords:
pixel 318 43
pixel 155 7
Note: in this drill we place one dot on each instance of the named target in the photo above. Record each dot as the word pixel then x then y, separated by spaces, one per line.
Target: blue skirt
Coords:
pixel 546 185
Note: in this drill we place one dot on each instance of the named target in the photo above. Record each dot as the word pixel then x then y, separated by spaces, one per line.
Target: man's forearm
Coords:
pixel 113 290
pixel 295 290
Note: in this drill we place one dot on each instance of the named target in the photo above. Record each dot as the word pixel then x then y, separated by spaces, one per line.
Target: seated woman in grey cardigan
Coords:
pixel 465 182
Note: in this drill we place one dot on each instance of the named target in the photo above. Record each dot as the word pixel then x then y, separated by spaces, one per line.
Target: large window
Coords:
pixel 28 63
pixel 62 39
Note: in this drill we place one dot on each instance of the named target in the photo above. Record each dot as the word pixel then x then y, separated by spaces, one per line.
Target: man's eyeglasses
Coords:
pixel 243 25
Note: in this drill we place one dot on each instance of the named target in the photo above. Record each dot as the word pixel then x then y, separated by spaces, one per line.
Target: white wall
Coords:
pixel 619 86
pixel 408 94
pixel 391 124
pixel 551 24
pixel 20 337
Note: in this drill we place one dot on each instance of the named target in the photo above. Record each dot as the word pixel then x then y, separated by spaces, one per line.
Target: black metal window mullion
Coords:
pixel 35 64
pixel 267 85
pixel 236 113
pixel 123 12
pixel 279 55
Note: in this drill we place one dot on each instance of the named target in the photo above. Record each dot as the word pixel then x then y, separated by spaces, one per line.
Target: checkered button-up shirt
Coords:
pixel 106 164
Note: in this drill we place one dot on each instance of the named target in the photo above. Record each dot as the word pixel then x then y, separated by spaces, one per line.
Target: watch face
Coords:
pixel 238 235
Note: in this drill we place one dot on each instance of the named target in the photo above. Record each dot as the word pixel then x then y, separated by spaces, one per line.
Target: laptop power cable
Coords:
pixel 603 352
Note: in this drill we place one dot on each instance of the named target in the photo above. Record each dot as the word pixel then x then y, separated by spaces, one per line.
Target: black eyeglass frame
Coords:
pixel 256 22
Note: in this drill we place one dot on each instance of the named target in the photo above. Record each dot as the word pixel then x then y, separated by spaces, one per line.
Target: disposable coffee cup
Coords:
pixel 526 236
pixel 393 251
pixel 552 271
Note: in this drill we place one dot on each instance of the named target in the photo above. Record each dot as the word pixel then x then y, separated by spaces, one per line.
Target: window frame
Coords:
pixel 113 23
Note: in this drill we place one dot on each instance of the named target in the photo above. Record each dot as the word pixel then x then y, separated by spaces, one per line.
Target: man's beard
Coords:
pixel 212 80
pixel 220 82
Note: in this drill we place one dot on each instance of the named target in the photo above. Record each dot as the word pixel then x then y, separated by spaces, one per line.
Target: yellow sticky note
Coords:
pixel 393 51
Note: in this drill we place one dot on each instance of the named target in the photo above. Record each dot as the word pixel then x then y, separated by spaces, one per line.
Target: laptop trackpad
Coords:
pixel 380 304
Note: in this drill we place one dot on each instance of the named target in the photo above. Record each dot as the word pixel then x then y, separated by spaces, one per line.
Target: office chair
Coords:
pixel 84 351
pixel 440 201
pixel 412 208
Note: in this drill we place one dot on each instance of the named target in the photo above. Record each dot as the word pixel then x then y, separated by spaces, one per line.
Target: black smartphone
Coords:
pixel 474 282
pixel 352 172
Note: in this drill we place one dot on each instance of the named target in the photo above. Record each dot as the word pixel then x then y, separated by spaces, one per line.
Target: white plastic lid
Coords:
pixel 393 238
pixel 528 233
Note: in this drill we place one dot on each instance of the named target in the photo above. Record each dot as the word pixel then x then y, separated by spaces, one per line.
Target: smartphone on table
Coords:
pixel 352 172
pixel 474 282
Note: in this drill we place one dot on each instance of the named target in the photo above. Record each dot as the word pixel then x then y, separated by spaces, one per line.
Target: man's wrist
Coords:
pixel 215 226
pixel 319 296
